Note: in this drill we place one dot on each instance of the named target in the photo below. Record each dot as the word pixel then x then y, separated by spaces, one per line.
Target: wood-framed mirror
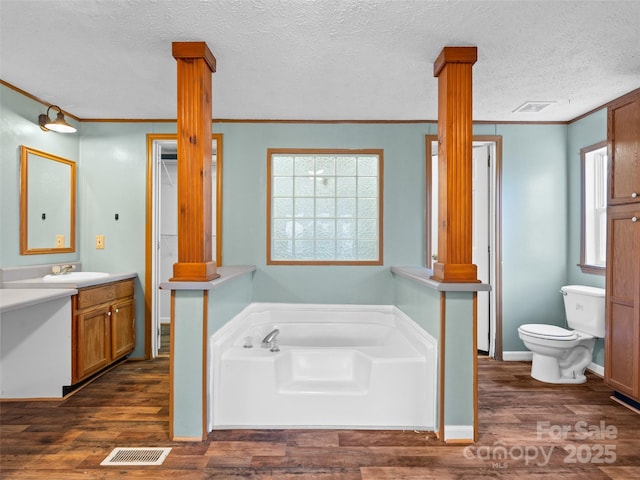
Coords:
pixel 47 203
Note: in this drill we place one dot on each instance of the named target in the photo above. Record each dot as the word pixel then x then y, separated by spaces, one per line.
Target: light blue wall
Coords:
pixel 458 381
pixel 534 227
pixel 112 179
pixel 188 367
pixel 421 304
pixel 228 300
pixel 19 126
pixel 244 207
pixel 538 204
pixel 582 133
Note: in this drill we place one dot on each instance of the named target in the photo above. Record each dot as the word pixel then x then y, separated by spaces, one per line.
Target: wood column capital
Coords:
pixel 449 55
pixel 194 50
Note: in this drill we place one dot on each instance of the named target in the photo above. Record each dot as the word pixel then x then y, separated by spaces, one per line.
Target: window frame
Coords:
pixel 319 152
pixel 584 266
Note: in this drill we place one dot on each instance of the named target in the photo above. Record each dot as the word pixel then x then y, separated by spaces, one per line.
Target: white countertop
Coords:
pixel 15 298
pixel 227 273
pixel 39 283
pixel 423 275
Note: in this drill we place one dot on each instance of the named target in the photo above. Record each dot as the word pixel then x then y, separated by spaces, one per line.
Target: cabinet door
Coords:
pixel 123 334
pixel 93 349
pixel 624 150
pixel 622 339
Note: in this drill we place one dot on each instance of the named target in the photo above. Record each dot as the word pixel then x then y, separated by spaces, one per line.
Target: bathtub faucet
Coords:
pixel 268 340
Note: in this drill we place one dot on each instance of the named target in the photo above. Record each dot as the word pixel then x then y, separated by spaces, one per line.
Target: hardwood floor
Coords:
pixel 519 417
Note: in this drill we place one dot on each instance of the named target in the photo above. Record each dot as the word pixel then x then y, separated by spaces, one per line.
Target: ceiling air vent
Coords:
pixel 532 107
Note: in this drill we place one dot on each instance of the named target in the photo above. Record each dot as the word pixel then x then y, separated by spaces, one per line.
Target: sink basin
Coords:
pixel 74 277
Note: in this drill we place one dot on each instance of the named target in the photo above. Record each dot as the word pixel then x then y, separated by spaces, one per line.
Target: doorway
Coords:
pixel 162 232
pixel 486 162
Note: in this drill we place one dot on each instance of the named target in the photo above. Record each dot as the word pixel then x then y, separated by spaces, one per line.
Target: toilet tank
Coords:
pixel 584 307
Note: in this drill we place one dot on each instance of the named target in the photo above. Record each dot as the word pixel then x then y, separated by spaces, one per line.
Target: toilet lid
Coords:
pixel 548 331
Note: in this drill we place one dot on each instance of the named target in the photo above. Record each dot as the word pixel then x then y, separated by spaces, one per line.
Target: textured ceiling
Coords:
pixel 321 59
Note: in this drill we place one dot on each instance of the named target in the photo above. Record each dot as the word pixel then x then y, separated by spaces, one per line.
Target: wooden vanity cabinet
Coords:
pixel 622 307
pixel 103 327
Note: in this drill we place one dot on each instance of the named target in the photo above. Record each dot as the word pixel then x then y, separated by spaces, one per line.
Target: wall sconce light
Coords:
pixel 59 125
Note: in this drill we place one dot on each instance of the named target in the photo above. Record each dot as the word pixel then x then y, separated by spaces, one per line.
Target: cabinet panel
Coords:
pixel 622 340
pixel 93 352
pixel 623 268
pixel 624 150
pixel 621 359
pixel 123 337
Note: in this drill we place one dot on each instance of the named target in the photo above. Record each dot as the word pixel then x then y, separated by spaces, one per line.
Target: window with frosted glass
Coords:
pixel 325 207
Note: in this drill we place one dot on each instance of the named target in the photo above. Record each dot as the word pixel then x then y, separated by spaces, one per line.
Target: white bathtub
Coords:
pixel 339 366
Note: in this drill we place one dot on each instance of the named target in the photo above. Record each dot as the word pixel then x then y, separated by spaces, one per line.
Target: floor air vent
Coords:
pixel 136 456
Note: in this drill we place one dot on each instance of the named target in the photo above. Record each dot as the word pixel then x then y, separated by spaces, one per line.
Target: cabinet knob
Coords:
pixel 108 314
pixel 634 219
pixel 634 195
pixel 117 310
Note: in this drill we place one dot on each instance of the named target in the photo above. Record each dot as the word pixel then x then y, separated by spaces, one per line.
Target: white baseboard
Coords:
pixel 597 369
pixel 458 432
pixel 525 356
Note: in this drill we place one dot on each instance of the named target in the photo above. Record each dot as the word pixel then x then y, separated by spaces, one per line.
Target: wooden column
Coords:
pixel 453 69
pixel 196 63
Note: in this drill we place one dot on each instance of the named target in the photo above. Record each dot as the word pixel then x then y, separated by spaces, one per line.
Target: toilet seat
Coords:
pixel 550 332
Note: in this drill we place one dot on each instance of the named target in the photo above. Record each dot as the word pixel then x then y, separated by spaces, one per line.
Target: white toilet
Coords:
pixel 561 355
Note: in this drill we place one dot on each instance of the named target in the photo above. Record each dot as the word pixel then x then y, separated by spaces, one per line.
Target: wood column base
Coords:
pixel 194 272
pixel 455 273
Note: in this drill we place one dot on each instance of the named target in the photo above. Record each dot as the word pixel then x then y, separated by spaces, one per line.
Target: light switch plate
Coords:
pixel 99 242
pixel 59 241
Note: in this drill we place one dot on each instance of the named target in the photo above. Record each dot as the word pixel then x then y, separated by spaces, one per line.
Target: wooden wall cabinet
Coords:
pixel 103 327
pixel 622 339
pixel 623 137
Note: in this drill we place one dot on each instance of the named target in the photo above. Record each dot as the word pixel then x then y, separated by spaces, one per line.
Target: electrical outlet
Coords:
pixel 99 242
pixel 59 241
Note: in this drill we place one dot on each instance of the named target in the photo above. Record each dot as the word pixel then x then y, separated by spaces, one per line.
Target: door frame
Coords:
pixel 151 230
pixel 495 205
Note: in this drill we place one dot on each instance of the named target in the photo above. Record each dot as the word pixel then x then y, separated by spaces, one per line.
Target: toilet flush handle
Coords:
pixel 563 293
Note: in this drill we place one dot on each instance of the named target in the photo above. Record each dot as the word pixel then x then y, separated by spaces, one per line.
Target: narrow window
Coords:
pixel 593 245
pixel 324 207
